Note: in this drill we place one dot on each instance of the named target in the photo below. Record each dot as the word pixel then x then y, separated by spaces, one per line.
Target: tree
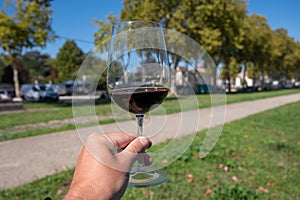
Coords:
pixel 29 27
pixel 152 10
pixel 100 40
pixel 2 65
pixel 257 50
pixel 23 74
pixel 216 25
pixel 293 60
pixel 105 28
pixel 282 59
pixel 68 61
pixel 39 65
pixel 233 70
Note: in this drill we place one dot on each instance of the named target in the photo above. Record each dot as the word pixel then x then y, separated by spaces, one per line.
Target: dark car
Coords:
pixel 77 87
pixel 5 95
pixel 38 92
pixel 59 89
pixel 7 91
pixel 48 94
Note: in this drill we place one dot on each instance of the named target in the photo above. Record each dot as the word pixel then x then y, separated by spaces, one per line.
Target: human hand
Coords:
pixel 102 170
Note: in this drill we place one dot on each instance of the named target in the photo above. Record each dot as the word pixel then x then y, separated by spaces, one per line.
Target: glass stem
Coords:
pixel 139 121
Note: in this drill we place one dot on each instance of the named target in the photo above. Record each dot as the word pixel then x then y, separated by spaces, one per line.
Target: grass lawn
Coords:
pixel 257 157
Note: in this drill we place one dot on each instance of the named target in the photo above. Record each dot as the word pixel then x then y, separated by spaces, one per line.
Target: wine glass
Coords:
pixel 138 80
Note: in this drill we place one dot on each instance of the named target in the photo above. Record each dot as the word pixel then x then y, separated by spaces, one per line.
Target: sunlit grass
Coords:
pixel 257 157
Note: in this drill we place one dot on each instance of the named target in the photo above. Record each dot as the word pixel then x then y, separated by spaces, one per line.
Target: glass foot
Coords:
pixel 145 177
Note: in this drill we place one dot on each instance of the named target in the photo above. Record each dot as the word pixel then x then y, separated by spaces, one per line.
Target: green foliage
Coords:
pixel 232 70
pixel 151 10
pixel 105 28
pixel 223 28
pixel 216 25
pixel 68 61
pixel 23 73
pixel 39 65
pixel 30 26
pixel 283 58
pixel 257 46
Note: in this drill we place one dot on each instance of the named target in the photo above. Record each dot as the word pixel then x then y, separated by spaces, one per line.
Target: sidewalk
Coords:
pixel 28 159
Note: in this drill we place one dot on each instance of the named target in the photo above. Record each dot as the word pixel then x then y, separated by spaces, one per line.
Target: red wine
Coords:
pixel 139 100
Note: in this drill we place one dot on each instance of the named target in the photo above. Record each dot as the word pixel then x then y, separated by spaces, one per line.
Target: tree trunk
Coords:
pixel 215 70
pixel 254 77
pixel 175 60
pixel 244 83
pixel 228 77
pixel 16 77
pixel 262 84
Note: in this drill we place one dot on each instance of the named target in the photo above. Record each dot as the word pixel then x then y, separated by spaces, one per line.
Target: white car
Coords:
pixel 4 96
pixel 38 92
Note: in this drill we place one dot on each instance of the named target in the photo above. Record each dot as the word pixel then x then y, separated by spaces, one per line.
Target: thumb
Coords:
pixel 138 145
pixel 131 152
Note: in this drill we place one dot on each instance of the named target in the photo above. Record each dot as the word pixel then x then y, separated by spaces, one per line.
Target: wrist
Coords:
pixel 86 191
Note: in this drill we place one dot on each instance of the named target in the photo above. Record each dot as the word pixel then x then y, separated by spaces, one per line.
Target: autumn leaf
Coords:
pixel 226 169
pixel 208 192
pixel 234 178
pixel 271 184
pixel 190 178
pixel 261 189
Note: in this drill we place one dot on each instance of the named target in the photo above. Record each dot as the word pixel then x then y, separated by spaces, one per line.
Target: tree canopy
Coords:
pixel 68 61
pixel 29 26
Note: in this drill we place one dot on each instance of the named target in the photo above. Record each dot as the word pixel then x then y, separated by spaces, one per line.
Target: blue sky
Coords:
pixel 72 19
pixel 280 13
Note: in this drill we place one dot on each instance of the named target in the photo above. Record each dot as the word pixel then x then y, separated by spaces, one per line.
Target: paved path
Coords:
pixel 27 159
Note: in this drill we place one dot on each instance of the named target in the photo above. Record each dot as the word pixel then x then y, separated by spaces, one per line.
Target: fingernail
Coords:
pixel 144 141
pixel 150 160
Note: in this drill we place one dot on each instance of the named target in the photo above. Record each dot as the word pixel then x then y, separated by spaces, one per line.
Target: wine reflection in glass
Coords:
pixel 138 80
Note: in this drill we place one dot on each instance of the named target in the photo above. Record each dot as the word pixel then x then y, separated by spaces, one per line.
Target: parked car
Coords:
pixel 77 87
pixel 47 93
pixel 59 89
pixel 38 92
pixel 4 95
pixel 276 85
pixel 8 88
